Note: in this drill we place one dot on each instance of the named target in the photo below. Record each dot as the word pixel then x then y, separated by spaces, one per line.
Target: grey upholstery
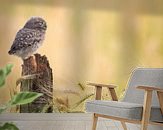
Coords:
pixel 143 77
pixel 132 105
pixel 125 110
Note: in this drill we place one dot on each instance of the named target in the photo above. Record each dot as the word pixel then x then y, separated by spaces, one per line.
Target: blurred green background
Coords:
pixel 87 40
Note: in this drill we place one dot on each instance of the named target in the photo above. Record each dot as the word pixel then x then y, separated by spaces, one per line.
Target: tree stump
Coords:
pixel 38 67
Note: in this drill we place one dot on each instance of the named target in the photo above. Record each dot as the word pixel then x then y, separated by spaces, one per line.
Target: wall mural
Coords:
pixel 101 42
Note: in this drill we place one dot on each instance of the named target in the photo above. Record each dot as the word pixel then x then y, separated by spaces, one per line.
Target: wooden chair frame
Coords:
pixel 146 107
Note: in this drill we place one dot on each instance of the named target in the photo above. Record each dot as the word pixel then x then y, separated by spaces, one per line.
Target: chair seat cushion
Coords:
pixel 125 110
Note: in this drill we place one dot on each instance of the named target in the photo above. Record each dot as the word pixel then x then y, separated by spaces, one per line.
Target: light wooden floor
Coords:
pixel 54 121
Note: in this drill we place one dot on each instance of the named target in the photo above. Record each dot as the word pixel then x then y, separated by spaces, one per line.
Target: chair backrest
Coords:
pixel 143 77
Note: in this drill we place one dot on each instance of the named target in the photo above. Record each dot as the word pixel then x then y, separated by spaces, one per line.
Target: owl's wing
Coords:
pixel 24 38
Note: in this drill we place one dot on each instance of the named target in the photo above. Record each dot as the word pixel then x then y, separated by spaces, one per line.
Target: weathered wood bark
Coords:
pixel 42 82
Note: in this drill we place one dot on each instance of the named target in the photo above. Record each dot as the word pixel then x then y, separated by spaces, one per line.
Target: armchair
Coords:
pixel 138 107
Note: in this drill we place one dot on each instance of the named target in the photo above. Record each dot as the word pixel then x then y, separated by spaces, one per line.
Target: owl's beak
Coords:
pixel 45 27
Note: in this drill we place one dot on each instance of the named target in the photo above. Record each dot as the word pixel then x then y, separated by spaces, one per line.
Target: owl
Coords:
pixel 29 38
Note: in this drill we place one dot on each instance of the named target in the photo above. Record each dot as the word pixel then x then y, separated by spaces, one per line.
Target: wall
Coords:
pixel 87 40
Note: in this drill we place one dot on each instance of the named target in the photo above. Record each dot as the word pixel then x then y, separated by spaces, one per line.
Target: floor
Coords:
pixel 72 121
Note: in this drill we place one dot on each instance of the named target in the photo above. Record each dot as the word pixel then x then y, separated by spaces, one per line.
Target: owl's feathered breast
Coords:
pixel 26 38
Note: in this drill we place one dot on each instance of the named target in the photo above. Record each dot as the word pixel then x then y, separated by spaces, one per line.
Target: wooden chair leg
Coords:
pixel 146 110
pixel 160 98
pixel 124 125
pixel 95 119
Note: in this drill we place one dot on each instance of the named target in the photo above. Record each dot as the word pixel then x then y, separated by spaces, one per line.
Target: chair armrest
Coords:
pixel 101 85
pixel 111 89
pixel 150 88
pixel 148 91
